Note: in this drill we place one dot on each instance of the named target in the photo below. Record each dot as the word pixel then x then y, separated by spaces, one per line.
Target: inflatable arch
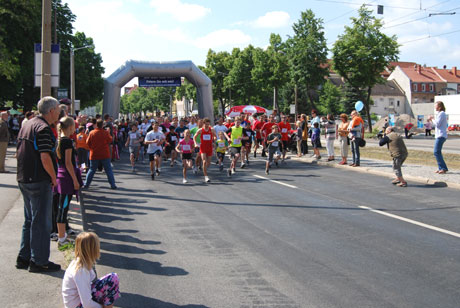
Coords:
pixel 131 69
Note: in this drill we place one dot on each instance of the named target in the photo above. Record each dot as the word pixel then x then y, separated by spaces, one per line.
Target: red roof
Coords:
pixel 452 75
pixel 418 73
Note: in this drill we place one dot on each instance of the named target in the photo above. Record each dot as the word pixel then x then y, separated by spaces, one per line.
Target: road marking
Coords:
pixel 421 224
pixel 277 182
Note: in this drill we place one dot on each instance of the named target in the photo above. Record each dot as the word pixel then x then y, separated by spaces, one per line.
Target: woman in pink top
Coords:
pixel 186 147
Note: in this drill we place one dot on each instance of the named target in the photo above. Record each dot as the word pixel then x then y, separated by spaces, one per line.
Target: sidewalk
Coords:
pixel 412 173
pixel 19 288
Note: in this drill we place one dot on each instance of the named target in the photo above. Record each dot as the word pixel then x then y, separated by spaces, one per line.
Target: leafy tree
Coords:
pixel 217 68
pixel 307 54
pixel 330 100
pixel 362 53
pixel 271 68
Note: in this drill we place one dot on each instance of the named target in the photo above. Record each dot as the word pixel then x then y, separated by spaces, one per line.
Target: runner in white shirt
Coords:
pixel 155 139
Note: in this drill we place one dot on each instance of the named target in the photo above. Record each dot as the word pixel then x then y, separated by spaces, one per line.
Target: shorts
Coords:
pixel 152 155
pixel 186 156
pixel 221 155
pixel 234 151
pixel 272 151
pixel 134 150
pixel 259 141
pixel 207 151
pixel 316 144
pixel 169 149
pixel 247 146
pixel 284 145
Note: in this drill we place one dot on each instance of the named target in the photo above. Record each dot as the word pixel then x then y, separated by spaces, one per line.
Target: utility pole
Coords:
pixel 45 89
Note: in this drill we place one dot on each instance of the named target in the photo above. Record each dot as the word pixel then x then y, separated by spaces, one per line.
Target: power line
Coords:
pixel 401 17
pixel 369 4
pixel 429 36
pixel 344 14
pixel 421 18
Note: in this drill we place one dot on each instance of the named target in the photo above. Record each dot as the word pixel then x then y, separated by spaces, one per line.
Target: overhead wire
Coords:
pixel 429 36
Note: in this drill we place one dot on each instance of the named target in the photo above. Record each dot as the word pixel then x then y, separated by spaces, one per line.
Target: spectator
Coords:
pixel 398 152
pixel 4 138
pixel 356 129
pixel 343 138
pixel 440 124
pixel 98 142
pixel 304 127
pixel 407 129
pixel 36 175
pixel 330 135
pixel 14 126
pixel 428 127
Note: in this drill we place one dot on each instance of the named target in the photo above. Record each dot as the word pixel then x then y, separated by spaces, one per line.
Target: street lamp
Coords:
pixel 72 76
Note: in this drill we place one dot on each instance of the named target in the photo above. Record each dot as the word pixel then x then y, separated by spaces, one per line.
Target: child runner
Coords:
pixel 82 149
pixel 134 143
pixel 155 140
pixel 237 135
pixel 207 137
pixel 80 286
pixel 185 147
pixel 221 148
pixel 273 145
pixel 285 129
pixel 196 152
pixel 315 139
pixel 68 176
pixel 247 145
pixel 172 139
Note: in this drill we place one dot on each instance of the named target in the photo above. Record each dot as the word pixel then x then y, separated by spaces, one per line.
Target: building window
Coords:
pixel 397 103
pixel 423 88
pixel 414 87
pixel 431 88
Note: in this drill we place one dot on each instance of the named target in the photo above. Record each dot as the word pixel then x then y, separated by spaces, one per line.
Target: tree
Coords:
pixel 362 53
pixel 217 68
pixel 271 68
pixel 307 54
pixel 330 100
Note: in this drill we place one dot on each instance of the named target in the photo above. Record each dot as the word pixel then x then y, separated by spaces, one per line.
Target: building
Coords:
pixel 421 84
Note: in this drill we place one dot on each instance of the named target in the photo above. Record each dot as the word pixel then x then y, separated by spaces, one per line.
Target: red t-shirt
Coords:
pixel 257 126
pixel 285 129
pixel 267 129
pixel 206 140
pixel 98 142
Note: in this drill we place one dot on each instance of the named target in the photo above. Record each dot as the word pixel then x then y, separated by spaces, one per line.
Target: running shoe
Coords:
pixel 158 171
pixel 229 172
pixel 54 236
pixel 233 171
pixel 255 154
pixel 184 180
pixel 153 176
pixel 243 165
pixel 267 172
pixel 206 179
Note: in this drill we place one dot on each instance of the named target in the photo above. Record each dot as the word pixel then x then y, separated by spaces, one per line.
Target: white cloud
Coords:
pixel 272 20
pixel 223 38
pixel 179 10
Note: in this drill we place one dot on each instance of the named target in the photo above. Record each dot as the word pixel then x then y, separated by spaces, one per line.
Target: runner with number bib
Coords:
pixel 185 148
pixel 207 137
pixel 237 135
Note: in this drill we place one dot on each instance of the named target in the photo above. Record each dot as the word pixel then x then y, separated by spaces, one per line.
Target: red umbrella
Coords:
pixel 237 110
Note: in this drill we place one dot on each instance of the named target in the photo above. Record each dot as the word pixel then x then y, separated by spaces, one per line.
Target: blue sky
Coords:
pixel 169 30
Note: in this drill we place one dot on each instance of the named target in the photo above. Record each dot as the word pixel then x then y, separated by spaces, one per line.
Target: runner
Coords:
pixel 155 140
pixel 256 127
pixel 172 139
pixel 237 135
pixel 285 129
pixel 267 130
pixel 197 160
pixel 133 141
pixel 207 137
pixel 247 145
pixel 221 148
pixel 181 129
pixel 185 148
pixel 273 143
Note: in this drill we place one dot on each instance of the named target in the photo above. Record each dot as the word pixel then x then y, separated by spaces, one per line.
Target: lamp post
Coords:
pixel 72 76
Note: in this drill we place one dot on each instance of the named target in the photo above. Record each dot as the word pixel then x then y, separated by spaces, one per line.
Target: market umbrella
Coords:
pixel 13 111
pixel 237 110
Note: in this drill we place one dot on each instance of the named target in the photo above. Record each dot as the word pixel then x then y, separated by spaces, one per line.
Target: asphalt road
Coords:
pixel 303 236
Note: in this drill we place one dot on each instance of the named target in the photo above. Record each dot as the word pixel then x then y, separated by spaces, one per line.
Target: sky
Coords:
pixel 172 30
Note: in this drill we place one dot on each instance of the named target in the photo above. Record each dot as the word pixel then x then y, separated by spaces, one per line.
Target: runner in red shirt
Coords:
pixel 207 138
pixel 256 127
pixel 285 130
pixel 265 131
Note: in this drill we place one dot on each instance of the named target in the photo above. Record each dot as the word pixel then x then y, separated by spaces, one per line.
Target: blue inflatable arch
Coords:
pixel 131 69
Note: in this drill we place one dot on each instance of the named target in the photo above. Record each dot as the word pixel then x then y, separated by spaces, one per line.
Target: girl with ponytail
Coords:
pixel 68 175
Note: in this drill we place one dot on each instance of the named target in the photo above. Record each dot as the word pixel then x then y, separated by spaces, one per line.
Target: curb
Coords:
pixel 380 173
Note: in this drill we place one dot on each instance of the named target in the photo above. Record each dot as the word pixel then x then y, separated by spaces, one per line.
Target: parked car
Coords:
pixel 454 127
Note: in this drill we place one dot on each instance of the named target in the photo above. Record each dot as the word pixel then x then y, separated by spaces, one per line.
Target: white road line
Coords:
pixel 421 224
pixel 277 182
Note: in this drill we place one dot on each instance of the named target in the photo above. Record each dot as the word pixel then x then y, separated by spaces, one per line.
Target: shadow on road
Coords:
pixel 142 265
pixel 130 300
pixel 129 249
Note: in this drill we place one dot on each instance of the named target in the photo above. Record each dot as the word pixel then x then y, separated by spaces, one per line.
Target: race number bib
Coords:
pixel 132 136
pixel 275 143
pixel 237 141
pixel 249 134
pixel 207 137
pixel 221 145
pixel 186 147
pixel 173 138
pixel 284 130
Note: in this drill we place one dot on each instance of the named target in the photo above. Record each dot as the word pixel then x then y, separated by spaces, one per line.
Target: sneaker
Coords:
pixel 229 172
pixel 22 263
pixel 255 154
pixel 54 236
pixel 243 165
pixel 267 172
pixel 113 187
pixel 184 180
pixel 48 267
pixel 158 172
pixel 233 171
pixel 206 179
pixel 152 176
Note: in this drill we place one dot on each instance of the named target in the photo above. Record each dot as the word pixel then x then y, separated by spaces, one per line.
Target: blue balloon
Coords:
pixel 359 106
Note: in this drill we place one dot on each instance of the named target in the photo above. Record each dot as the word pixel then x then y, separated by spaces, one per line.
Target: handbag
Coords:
pixel 361 142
